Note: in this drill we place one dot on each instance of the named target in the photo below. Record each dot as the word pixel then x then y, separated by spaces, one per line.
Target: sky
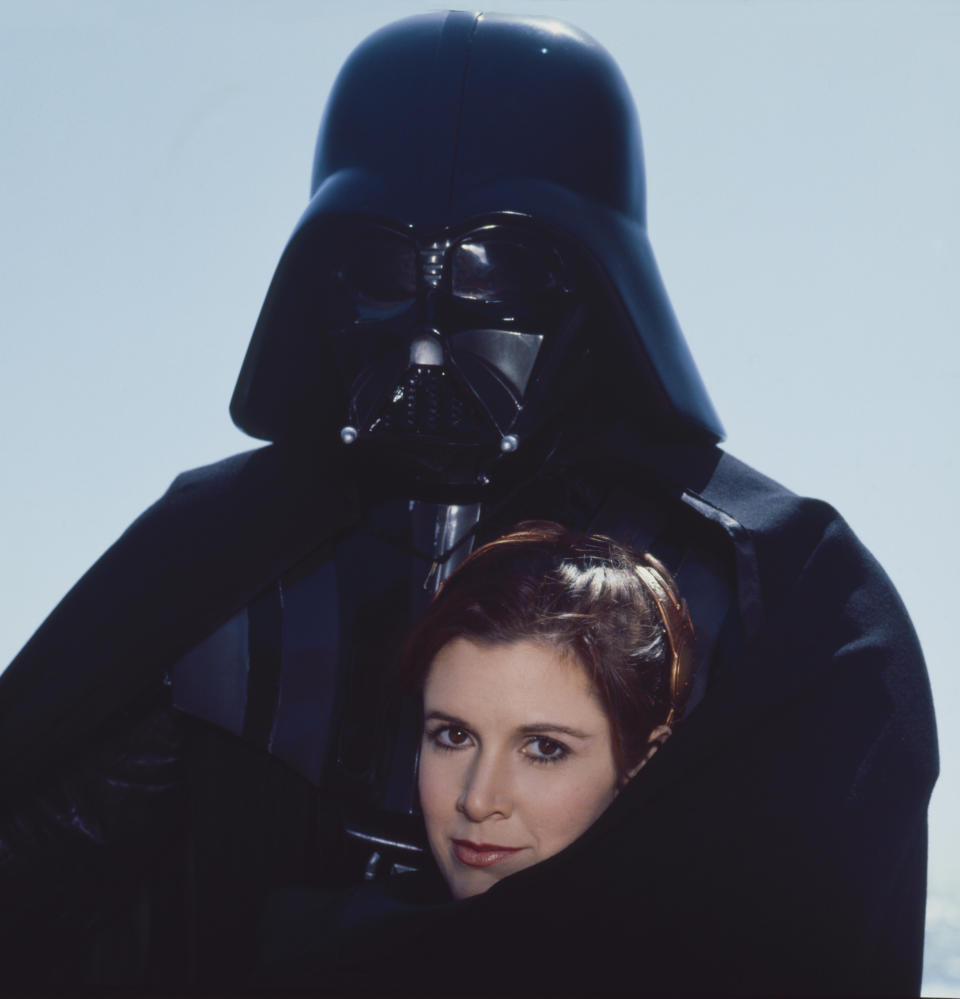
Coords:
pixel 802 158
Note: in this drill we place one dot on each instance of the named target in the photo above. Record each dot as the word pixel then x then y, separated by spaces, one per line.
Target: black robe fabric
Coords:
pixel 102 782
pixel 776 844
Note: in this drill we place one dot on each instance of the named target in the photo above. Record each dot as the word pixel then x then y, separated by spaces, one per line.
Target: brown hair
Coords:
pixel 618 611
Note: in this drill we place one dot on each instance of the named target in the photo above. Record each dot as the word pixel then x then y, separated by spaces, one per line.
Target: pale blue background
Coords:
pixel 802 162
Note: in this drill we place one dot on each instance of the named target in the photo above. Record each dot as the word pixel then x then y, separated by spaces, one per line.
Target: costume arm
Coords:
pixel 74 845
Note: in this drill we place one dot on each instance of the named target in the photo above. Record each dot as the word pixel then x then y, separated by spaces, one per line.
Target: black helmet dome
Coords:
pixel 451 116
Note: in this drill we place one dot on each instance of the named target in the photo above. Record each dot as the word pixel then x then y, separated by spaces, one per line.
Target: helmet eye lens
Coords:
pixel 502 270
pixel 383 272
pixel 379 271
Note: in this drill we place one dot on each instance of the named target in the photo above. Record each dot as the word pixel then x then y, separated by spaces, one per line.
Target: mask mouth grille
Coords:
pixel 428 403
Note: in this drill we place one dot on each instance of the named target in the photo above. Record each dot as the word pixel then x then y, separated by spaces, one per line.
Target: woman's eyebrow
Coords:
pixel 534 728
pixel 443 716
pixel 539 727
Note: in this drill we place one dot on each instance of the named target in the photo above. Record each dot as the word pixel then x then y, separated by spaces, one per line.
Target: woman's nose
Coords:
pixel 486 790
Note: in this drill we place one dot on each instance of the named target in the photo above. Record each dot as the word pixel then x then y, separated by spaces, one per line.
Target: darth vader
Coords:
pixel 467 329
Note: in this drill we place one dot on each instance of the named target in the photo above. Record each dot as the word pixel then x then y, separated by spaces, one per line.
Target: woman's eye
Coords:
pixel 544 750
pixel 450 737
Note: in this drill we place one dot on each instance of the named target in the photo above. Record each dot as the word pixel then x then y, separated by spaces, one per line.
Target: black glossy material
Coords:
pixel 447 118
pixel 436 340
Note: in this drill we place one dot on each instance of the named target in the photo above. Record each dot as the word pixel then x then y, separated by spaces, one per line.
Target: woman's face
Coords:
pixel 516 760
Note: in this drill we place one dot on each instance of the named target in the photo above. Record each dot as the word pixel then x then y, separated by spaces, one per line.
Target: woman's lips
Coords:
pixel 482 854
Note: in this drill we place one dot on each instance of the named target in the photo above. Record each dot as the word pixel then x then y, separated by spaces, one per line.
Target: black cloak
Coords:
pixel 776 843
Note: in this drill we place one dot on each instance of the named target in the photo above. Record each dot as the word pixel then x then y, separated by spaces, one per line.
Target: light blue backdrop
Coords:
pixel 802 163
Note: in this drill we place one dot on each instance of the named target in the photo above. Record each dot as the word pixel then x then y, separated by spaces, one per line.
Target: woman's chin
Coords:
pixel 466 882
pixel 470 886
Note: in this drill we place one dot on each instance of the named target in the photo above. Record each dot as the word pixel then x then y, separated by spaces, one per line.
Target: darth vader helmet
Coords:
pixel 473 253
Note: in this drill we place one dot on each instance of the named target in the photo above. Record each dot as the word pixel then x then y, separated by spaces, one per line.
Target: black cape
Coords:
pixel 776 843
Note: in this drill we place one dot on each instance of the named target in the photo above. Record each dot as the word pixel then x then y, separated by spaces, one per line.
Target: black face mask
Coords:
pixel 444 340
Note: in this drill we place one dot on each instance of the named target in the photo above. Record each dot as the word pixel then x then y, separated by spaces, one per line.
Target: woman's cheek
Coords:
pixel 436 781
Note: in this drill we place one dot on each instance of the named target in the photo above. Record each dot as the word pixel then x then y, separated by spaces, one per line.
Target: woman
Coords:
pixel 553 666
